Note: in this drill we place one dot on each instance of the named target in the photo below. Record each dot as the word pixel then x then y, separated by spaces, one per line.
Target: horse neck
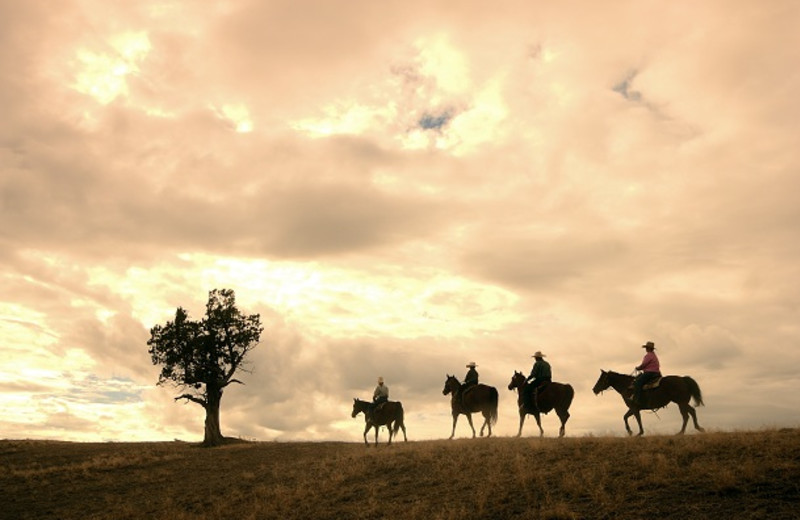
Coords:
pixel 455 392
pixel 619 382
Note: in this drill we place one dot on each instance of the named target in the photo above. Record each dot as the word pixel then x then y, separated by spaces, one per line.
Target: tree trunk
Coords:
pixel 213 434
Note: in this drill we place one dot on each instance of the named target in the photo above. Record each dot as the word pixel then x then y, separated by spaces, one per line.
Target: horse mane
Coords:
pixel 618 374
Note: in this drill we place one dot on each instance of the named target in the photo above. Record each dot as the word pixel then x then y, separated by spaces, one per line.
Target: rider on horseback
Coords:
pixel 541 374
pixel 379 396
pixel 651 370
pixel 471 379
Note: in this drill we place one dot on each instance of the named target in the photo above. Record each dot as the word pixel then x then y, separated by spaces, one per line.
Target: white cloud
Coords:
pixel 397 190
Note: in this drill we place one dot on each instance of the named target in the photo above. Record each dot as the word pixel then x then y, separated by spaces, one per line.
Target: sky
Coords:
pixel 397 189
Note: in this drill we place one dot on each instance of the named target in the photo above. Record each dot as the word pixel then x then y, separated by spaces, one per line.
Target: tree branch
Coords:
pixel 192 398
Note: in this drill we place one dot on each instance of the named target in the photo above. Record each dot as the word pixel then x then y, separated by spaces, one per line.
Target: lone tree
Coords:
pixel 201 357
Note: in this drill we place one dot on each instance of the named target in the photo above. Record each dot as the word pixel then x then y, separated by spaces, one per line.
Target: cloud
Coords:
pixel 397 190
pixel 434 122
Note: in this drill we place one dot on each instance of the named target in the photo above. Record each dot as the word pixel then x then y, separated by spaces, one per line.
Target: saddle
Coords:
pixel 464 390
pixel 530 396
pixel 649 386
pixel 652 384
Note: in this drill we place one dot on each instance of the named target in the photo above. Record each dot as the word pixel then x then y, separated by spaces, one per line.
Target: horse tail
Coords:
pixel 398 418
pixel 694 391
pixel 494 398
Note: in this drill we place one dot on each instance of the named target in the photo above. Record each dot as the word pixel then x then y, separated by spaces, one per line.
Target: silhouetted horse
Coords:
pixel 552 396
pixel 390 414
pixel 670 389
pixel 479 398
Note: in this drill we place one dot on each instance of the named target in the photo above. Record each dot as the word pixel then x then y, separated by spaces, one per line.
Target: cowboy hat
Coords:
pixel 649 344
pixel 471 364
pixel 380 379
pixel 538 354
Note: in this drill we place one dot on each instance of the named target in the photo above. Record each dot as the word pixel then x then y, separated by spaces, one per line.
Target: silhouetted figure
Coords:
pixel 541 374
pixel 379 396
pixel 651 370
pixel 471 379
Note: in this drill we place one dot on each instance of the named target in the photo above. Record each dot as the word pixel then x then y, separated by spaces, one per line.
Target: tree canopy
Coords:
pixel 201 357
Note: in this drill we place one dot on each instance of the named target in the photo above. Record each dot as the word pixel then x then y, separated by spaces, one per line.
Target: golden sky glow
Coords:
pixel 396 193
pixel 102 73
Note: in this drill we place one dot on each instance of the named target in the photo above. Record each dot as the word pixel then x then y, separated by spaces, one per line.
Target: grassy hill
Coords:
pixel 733 475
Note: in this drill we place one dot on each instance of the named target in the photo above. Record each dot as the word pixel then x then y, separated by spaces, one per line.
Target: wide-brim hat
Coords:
pixel 471 364
pixel 380 380
pixel 538 354
pixel 649 344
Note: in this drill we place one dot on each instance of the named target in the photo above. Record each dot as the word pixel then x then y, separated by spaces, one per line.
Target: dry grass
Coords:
pixel 735 475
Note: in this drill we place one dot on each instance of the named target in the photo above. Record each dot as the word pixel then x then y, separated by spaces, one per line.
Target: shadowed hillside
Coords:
pixel 733 475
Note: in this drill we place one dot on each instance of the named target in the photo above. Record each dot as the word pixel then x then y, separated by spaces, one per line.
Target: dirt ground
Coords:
pixel 733 475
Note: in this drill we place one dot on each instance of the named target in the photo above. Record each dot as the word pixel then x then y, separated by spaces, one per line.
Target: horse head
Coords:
pixel 602 383
pixel 358 406
pixel 517 380
pixel 451 384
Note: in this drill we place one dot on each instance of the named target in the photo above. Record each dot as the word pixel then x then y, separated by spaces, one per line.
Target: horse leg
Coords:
pixel 564 416
pixel 638 416
pixel 693 413
pixel 522 415
pixel 455 420
pixel 625 417
pixel 469 420
pixel 389 427
pixel 684 408
pixel 376 434
pixel 486 422
pixel 366 429
pixel 539 423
